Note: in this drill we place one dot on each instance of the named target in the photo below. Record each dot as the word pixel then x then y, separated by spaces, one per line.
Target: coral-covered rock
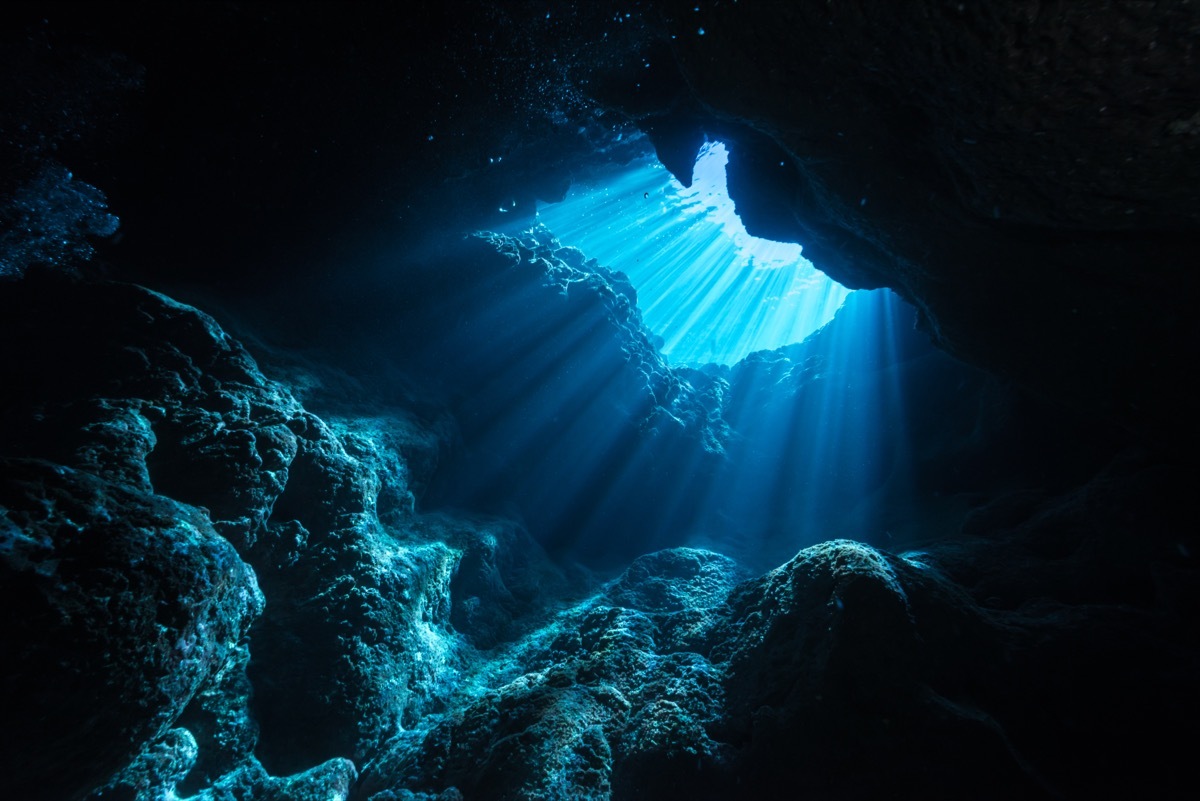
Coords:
pixel 448 658
pixel 869 674
pixel 1024 174
pixel 154 394
pixel 675 580
pixel 373 610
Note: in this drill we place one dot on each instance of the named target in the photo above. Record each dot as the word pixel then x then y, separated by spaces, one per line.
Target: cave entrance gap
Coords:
pixel 708 289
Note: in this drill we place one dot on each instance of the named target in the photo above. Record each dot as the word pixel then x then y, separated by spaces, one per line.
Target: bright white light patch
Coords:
pixel 709 289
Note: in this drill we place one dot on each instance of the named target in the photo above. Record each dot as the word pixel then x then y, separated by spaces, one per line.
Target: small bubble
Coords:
pixel 701 31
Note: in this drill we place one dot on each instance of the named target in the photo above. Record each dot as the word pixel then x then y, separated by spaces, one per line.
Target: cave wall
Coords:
pixel 229 575
pixel 1020 172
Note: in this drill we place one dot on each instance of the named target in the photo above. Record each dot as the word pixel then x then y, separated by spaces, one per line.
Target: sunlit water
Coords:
pixel 713 292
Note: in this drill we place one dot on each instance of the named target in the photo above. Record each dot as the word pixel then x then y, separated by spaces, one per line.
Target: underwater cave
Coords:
pixel 664 400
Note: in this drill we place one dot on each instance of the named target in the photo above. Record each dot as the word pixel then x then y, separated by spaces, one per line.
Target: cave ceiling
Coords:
pixel 1023 173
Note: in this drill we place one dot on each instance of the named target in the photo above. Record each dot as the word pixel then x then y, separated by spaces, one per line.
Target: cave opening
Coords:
pixel 749 404
pixel 711 292
pixel 335 472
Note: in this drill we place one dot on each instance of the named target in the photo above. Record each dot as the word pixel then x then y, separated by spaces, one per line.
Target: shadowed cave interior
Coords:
pixel 537 401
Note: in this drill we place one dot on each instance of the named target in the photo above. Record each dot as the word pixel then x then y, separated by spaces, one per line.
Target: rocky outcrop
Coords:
pixel 590 705
pixel 157 488
pixel 121 606
pixel 154 481
pixel 866 673
pixel 227 586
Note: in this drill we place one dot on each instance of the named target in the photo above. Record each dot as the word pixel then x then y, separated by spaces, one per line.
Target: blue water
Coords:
pixel 709 289
pixel 797 427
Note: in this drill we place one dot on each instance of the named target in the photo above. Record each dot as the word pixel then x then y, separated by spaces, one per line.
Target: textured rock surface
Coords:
pixel 869 675
pixel 153 441
pixel 409 655
pixel 1023 173
pixel 606 695
pixel 120 606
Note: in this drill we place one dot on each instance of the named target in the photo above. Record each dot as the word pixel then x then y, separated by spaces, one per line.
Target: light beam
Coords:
pixel 713 292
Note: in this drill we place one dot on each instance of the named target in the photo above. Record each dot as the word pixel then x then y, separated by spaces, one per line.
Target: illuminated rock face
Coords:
pixel 444 653
pixel 327 578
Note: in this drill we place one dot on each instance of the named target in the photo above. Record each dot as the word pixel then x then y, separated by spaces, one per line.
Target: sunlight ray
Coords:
pixel 709 289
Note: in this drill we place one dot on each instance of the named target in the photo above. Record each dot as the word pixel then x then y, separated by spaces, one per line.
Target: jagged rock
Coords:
pixel 1023 173
pixel 502 580
pixel 869 674
pixel 159 403
pixel 378 592
pixel 152 393
pixel 425 646
pixel 123 605
pixel 675 580
pixel 849 661
pixel 422 646
pixel 597 687
pixel 329 781
pixel 158 769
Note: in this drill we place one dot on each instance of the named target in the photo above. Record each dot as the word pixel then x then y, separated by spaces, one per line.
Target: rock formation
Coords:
pixel 426 515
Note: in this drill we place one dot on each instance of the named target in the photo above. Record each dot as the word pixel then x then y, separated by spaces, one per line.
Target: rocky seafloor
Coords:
pixel 215 593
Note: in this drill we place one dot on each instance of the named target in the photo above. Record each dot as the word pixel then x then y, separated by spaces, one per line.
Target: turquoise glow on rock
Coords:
pixel 713 292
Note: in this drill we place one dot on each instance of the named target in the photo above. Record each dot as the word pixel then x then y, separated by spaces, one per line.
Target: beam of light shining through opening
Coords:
pixel 713 292
pixel 824 445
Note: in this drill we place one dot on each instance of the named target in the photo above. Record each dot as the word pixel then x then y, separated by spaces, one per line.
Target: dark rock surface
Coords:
pixel 406 654
pixel 120 606
pixel 1020 172
pixel 155 433
pixel 322 573
pixel 867 674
